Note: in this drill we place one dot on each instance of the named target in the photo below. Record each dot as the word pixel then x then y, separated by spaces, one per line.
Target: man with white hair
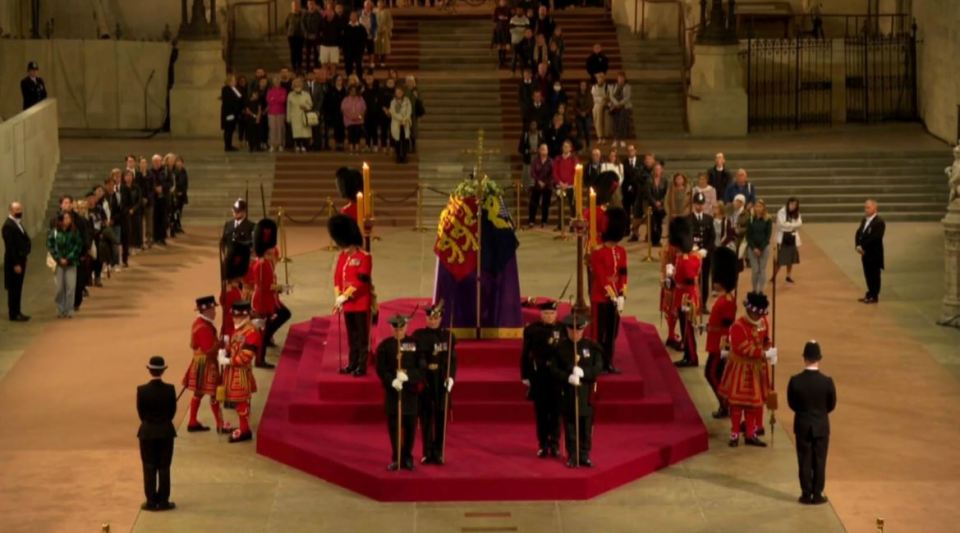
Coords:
pixel 741 186
pixel 869 244
pixel 718 175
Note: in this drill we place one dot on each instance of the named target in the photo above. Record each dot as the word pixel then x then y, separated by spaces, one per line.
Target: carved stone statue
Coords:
pixel 953 176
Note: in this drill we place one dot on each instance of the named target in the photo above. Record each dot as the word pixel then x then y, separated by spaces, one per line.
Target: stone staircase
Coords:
pixel 832 187
pixel 653 69
pixel 216 180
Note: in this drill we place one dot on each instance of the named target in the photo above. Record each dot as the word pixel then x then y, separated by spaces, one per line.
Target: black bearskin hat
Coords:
pixel 618 224
pixel 264 236
pixel 237 261
pixel 349 183
pixel 724 262
pixel 756 303
pixel 605 184
pixel 344 231
pixel 681 235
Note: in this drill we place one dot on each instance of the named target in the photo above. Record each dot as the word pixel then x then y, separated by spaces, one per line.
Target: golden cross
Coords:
pixel 479 151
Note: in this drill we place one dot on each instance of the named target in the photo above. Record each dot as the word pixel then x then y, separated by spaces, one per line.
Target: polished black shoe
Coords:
pixel 804 499
pixel 408 463
pixel 240 437
pixel 438 460
pixel 571 463
pixel 393 467
pixel 755 441
pixel 683 363
pixel 166 506
pixel 734 442
pixel 349 369
pixel 426 460
pixel 264 364
pixel 760 431
pixel 148 506
pixel 197 427
pixel 720 413
pixel 674 344
pixel 870 300
pixel 554 451
pixel 224 430
pixel 613 370
pixel 586 462
pixel 358 373
pixel 21 318
pixel 819 499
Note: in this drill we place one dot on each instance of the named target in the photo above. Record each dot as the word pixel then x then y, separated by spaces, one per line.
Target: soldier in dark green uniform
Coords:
pixel 576 365
pixel 400 370
pixel 433 342
pixel 540 342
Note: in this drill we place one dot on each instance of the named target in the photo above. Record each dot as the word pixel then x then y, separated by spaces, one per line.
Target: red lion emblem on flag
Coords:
pixel 457 243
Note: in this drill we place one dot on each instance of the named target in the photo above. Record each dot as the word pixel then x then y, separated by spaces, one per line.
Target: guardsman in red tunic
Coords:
pixel 265 301
pixel 349 183
pixel 352 280
pixel 608 284
pixel 746 377
pixel 668 259
pixel 238 377
pixel 685 304
pixel 605 186
pixel 202 375
pixel 722 315
pixel 235 268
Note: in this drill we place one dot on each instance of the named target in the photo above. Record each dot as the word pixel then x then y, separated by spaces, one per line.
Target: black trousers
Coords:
pixel 228 128
pixel 688 338
pixel 409 422
pixel 539 198
pixel 871 273
pixel 431 414
pixel 272 324
pixel 84 270
pixel 546 408
pixel 156 456
pixel 656 230
pixel 126 236
pixel 353 62
pixel 713 371
pixel 160 221
pixel 400 146
pixel 14 287
pixel 812 459
pixel 705 282
pixel 296 52
pixel 358 338
pixel 608 326
pixel 586 433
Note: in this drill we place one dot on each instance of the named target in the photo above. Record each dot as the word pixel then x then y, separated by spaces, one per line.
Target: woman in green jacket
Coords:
pixel 64 244
pixel 759 231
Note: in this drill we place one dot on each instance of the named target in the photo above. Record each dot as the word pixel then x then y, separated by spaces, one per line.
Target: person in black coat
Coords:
pixel 869 243
pixel 353 42
pixel 400 370
pixel 239 229
pixel 32 88
pixel 812 396
pixel 597 63
pixel 16 248
pixel 704 237
pixel 718 176
pixel 156 406
pixel 231 104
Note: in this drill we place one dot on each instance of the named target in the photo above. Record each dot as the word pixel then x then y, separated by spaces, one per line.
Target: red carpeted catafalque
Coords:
pixel 334 426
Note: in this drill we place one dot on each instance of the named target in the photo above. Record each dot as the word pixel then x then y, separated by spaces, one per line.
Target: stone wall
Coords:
pixel 939 61
pixel 29 155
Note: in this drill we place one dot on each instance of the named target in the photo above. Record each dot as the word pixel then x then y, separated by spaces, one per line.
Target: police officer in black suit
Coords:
pixel 400 369
pixel 32 87
pixel 156 405
pixel 540 342
pixel 869 243
pixel 16 248
pixel 812 397
pixel 704 237
pixel 435 343
pixel 576 365
pixel 239 229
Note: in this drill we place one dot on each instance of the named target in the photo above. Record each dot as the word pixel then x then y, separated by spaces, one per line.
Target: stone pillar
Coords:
pixel 951 271
pixel 717 104
pixel 195 97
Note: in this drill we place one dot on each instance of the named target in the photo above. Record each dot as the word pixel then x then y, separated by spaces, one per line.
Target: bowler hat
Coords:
pixel 575 320
pixel 811 351
pixel 157 363
pixel 398 321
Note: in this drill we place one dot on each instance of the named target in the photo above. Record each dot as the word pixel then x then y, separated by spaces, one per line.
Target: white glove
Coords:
pixel 340 301
pixel 574 380
pixel 259 323
pixel 526 382
pixel 577 371
pixel 397 385
pixel 724 354
pixel 771 355
pixel 702 252
pixel 402 376
pixel 671 270
pixel 448 384
pixel 620 303
pixel 222 358
pixel 226 339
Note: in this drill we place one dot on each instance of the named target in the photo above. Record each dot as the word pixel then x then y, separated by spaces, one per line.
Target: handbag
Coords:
pixel 313 118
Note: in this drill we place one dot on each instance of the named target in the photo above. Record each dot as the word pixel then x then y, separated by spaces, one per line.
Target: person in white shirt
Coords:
pixel 788 240
pixel 709 193
pixel 599 94
pixel 613 164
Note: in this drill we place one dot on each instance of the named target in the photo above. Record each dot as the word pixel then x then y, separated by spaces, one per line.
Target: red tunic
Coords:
pixel 264 301
pixel 746 377
pixel 722 315
pixel 687 277
pixel 608 266
pixel 238 376
pixel 601 220
pixel 354 269
pixel 202 375
pixel 230 295
pixel 669 257
pixel 249 280
pixel 350 209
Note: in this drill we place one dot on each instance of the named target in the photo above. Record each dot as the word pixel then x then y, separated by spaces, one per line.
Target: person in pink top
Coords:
pixel 276 114
pixel 564 167
pixel 354 109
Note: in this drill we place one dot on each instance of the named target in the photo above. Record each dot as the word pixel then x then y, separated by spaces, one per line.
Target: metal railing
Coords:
pixel 273 24
pixel 832 25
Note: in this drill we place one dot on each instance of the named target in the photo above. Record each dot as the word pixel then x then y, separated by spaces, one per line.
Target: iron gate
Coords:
pixel 789 83
pixel 881 77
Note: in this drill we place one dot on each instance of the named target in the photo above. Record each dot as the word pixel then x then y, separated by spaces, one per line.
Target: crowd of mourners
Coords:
pixel 94 234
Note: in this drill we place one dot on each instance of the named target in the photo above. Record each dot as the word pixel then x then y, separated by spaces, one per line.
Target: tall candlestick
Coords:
pixel 367 191
pixel 361 214
pixel 578 189
pixel 593 218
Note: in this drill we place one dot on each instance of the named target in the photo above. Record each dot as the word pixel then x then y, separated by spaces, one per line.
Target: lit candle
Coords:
pixel 578 190
pixel 361 215
pixel 367 190
pixel 593 218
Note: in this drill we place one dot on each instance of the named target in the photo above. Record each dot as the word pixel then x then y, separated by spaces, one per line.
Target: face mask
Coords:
pixel 18 216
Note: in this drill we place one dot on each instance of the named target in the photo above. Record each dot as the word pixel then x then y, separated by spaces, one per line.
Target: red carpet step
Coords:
pixel 334 427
